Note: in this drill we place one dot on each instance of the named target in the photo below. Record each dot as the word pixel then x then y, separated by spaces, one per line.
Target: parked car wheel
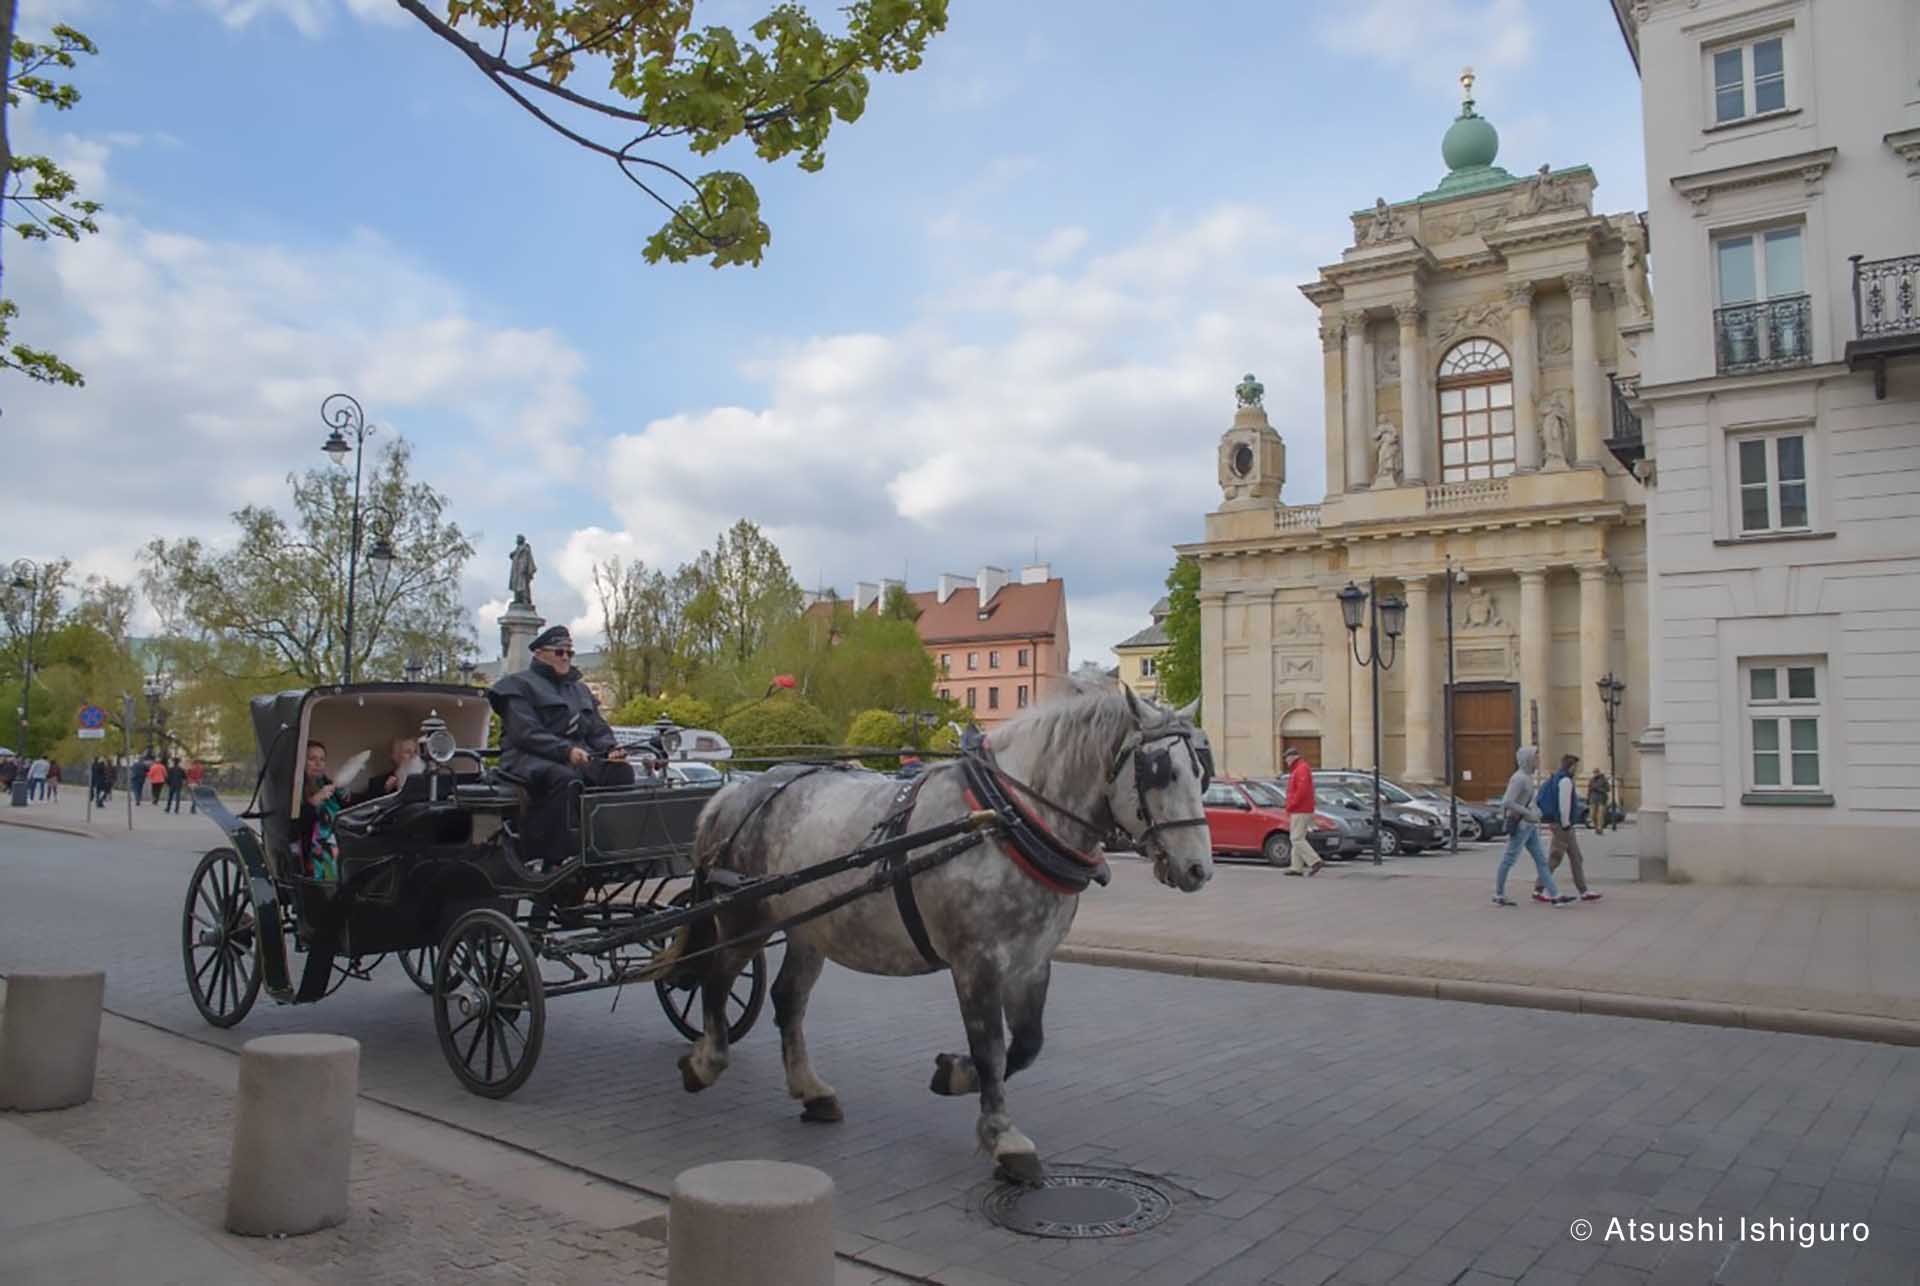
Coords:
pixel 1389 842
pixel 1278 849
pixel 1470 828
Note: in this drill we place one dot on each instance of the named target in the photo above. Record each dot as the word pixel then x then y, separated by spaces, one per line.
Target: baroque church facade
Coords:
pixel 1470 336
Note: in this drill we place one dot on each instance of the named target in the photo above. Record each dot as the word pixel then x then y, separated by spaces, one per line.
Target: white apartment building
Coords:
pixel 1780 401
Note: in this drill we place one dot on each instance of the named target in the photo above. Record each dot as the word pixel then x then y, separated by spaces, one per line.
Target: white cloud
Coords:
pixel 1087 425
pixel 1433 39
pixel 310 18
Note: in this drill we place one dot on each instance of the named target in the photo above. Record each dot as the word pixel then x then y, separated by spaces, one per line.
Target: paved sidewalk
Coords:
pixel 152 824
pixel 1824 951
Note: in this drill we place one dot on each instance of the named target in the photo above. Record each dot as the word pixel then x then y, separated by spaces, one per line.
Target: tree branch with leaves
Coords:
pixel 781 90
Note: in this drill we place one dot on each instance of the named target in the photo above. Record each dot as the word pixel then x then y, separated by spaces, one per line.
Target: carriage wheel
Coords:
pixel 418 966
pixel 679 994
pixel 489 1005
pixel 218 939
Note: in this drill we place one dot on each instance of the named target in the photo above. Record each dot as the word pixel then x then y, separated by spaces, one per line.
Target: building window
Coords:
pixel 1765 318
pixel 946 663
pixel 1771 473
pixel 1749 79
pixel 946 694
pixel 993 698
pixel 1475 385
pixel 1783 724
pixel 973 660
pixel 1022 657
pixel 1020 697
pixel 973 698
pixel 1148 667
pixel 993 660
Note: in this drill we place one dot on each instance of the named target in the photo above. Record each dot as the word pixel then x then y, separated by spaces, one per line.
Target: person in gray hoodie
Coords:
pixel 1524 819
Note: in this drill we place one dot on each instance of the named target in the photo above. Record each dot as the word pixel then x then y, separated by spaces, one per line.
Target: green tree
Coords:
pixel 666 80
pixel 1180 664
pixel 747 591
pixel 38 199
pixel 766 729
pixel 80 651
pixel 274 604
pixel 843 663
pixel 881 728
pixel 899 605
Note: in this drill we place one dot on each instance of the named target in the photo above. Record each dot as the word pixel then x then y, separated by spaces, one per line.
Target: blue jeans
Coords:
pixel 1527 833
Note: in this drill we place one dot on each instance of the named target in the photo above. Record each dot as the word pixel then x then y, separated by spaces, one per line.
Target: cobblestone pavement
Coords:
pixel 1311 1136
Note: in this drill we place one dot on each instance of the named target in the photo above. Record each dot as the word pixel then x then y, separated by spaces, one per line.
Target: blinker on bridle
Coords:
pixel 1153 770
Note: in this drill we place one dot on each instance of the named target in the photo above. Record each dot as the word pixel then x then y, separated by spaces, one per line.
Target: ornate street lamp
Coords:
pixel 467 667
pixel 1611 692
pixel 1388 615
pixel 344 418
pixel 1454 575
pixel 26 576
pixel 414 669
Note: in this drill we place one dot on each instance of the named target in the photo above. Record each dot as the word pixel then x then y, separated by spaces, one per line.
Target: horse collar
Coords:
pixel 1033 845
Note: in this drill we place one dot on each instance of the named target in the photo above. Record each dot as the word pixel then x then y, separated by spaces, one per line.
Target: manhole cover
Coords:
pixel 1079 1203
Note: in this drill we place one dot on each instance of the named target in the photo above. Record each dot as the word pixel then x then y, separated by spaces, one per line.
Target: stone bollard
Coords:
pixel 50 1038
pixel 292 1135
pixel 750 1223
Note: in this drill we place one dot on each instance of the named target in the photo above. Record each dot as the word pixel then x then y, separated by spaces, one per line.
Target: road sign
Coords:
pixel 92 717
pixel 92 734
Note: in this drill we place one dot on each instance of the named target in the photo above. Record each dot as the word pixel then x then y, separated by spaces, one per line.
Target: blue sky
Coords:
pixel 1010 310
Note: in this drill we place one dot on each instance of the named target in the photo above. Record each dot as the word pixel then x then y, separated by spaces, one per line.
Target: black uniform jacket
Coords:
pixel 543 715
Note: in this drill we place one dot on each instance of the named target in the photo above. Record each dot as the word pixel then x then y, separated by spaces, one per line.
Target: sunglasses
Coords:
pixel 558 651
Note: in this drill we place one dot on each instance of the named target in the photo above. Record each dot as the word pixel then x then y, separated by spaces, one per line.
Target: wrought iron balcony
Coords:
pixel 1768 335
pixel 1886 314
pixel 1626 444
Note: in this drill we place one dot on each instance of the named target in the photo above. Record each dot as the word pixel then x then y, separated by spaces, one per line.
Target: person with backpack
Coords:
pixel 1522 813
pixel 1560 804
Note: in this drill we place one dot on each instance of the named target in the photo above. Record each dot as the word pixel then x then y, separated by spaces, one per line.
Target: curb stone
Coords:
pixel 1802 1022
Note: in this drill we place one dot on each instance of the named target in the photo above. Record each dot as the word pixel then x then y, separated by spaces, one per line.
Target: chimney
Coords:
pixel 950 583
pixel 990 580
pixel 865 595
pixel 887 587
pixel 1036 573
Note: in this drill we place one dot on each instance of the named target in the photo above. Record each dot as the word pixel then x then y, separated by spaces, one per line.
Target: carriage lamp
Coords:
pixel 436 739
pixel 414 668
pixel 466 672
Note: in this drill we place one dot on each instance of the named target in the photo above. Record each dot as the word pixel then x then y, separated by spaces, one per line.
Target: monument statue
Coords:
pixel 1250 392
pixel 1385 227
pixel 1554 447
pixel 1543 192
pixel 1633 267
pixel 520 570
pixel 1386 450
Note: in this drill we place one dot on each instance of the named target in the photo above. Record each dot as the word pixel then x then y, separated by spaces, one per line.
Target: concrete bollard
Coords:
pixel 50 1038
pixel 750 1223
pixel 292 1135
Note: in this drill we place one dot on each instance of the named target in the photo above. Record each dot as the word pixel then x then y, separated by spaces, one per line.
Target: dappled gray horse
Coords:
pixel 1075 771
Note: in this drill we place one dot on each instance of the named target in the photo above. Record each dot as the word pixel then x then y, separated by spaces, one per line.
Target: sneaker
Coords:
pixel 1315 869
pixel 1565 899
pixel 1590 896
pixel 1539 896
pixel 1503 901
pixel 1291 871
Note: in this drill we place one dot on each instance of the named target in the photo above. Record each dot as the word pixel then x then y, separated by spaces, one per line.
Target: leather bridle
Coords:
pixel 1153 770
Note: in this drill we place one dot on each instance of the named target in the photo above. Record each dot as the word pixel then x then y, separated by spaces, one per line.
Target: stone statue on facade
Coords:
pixel 520 570
pixel 1543 192
pixel 1250 392
pixel 1633 267
pixel 1383 227
pixel 1555 450
pixel 1386 453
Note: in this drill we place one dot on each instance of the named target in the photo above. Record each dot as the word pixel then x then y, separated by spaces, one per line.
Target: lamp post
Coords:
pixel 1454 575
pixel 467 667
pixel 342 414
pixel 415 668
pixel 26 576
pixel 1611 690
pixel 154 689
pixel 1388 615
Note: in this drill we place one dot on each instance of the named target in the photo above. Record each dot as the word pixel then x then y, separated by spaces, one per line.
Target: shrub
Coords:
pixel 778 721
pixel 878 728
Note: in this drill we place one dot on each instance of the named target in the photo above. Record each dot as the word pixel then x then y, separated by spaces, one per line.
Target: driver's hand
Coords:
pixel 577 757
pixel 617 755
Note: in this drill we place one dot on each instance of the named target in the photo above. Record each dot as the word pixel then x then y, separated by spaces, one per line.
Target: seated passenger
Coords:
pixel 553 737
pixel 324 800
pixel 406 762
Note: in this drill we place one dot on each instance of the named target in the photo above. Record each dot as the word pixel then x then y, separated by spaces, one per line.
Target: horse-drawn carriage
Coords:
pixel 432 872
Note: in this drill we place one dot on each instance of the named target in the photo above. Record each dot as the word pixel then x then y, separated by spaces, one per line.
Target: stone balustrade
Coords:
pixel 1294 517
pixel 1487 493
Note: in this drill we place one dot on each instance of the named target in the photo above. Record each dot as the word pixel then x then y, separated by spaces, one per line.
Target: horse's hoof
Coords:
pixel 1023 1168
pixel 822 1111
pixel 689 1081
pixel 953 1075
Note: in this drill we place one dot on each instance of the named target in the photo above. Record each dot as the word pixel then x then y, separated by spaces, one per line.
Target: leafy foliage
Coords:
pixel 38 199
pixel 843 662
pixel 686 710
pixel 80 653
pixel 878 728
pixel 273 607
pixel 782 720
pixel 1180 665
pixel 780 88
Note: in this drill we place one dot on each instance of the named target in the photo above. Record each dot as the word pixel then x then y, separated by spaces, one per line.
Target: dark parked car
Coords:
pixel 1403 829
pixel 1477 821
pixel 1392 792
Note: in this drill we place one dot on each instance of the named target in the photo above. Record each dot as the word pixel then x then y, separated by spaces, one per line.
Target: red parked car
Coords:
pixel 1251 817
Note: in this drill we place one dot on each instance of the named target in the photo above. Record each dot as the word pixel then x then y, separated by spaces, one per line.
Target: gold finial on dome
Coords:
pixel 1466 84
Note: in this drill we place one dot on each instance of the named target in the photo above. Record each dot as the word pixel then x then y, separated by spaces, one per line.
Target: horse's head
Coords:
pixel 1155 790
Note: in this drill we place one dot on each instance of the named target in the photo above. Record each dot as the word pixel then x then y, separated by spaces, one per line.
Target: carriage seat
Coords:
pixel 496 790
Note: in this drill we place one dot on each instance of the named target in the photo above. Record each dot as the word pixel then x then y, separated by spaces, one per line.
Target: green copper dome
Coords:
pixel 1471 142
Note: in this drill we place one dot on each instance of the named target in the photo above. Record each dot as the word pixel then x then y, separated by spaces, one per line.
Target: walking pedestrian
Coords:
pixel 98 781
pixel 156 779
pixel 137 778
pixel 37 779
pixel 1599 789
pixel 1557 802
pixel 1523 815
pixel 176 781
pixel 195 772
pixel 1300 813
pixel 53 780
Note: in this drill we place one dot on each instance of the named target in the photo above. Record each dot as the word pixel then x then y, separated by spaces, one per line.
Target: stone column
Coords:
pixel 1417 436
pixel 1262 720
pixel 1331 333
pixel 1589 424
pixel 1359 389
pixel 1526 429
pixel 1536 647
pixel 1213 672
pixel 1336 719
pixel 1417 648
pixel 1596 633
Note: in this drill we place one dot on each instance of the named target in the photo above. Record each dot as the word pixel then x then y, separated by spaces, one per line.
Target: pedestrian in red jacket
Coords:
pixel 1300 813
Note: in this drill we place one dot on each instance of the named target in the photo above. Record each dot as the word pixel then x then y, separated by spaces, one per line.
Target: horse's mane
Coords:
pixel 1073 740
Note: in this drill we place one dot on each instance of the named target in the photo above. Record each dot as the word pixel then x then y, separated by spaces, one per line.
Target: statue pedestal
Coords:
pixel 519 626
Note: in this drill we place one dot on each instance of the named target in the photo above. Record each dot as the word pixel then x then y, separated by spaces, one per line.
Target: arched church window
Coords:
pixel 1475 385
